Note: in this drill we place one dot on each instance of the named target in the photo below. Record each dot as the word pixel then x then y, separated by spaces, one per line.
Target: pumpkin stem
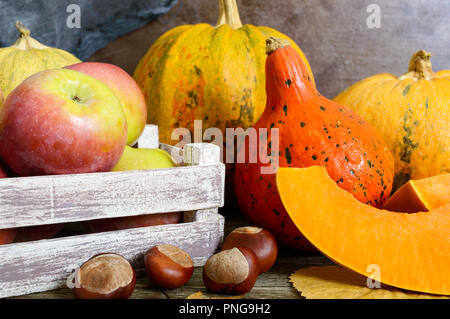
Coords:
pixel 24 31
pixel 273 44
pixel 229 14
pixel 26 42
pixel 420 65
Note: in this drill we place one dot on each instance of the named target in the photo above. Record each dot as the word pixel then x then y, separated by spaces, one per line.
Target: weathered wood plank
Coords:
pixel 42 200
pixel 201 154
pixel 142 291
pixel 177 153
pixel 46 264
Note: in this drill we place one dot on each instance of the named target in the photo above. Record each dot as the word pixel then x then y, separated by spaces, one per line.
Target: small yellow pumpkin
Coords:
pixel 211 73
pixel 27 57
pixel 411 112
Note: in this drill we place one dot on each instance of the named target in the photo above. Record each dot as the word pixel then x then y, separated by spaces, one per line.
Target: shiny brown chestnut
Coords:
pixel 261 241
pixel 233 271
pixel 105 276
pixel 168 266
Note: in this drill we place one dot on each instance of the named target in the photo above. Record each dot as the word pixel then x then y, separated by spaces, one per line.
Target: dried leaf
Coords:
pixel 200 295
pixel 333 282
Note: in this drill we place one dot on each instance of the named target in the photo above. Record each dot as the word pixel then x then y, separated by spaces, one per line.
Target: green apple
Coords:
pixel 143 158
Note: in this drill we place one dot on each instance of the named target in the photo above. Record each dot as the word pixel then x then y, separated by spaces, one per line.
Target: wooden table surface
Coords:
pixel 273 284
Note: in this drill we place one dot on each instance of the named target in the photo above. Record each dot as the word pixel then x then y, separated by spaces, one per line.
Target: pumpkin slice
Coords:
pixel 411 251
pixel 421 195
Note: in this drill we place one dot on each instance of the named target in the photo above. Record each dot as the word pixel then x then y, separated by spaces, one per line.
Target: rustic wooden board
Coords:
pixel 68 198
pixel 149 137
pixel 46 264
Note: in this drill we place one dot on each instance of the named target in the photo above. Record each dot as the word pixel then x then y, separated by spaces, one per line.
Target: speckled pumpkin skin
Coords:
pixel 412 114
pixel 27 57
pixel 312 131
pixel 201 72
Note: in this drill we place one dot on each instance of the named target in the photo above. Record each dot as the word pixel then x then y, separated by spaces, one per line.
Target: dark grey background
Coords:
pixel 101 21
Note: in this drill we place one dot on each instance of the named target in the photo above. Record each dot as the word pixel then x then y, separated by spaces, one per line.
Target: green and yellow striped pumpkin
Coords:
pixel 27 57
pixel 411 112
pixel 211 73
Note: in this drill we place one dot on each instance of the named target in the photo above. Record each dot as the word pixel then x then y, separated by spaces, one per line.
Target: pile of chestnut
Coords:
pixel 246 253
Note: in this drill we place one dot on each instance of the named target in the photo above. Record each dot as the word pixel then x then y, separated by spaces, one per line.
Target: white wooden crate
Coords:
pixel 196 187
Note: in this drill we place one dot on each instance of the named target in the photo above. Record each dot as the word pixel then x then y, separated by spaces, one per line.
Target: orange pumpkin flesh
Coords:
pixel 411 250
pixel 313 130
pixel 421 195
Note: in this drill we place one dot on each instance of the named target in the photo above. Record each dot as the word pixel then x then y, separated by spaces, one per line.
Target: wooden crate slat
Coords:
pixel 67 198
pixel 176 152
pixel 46 264
pixel 149 137
pixel 201 154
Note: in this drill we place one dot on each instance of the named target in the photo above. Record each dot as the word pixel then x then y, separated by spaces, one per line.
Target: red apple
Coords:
pixel 125 89
pixel 60 122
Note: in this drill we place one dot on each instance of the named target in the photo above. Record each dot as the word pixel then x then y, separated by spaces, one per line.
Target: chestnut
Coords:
pixel 168 266
pixel 105 276
pixel 261 241
pixel 233 271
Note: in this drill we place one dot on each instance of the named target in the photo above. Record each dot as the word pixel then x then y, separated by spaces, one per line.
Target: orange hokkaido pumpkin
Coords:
pixel 313 130
pixel 421 195
pixel 409 251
